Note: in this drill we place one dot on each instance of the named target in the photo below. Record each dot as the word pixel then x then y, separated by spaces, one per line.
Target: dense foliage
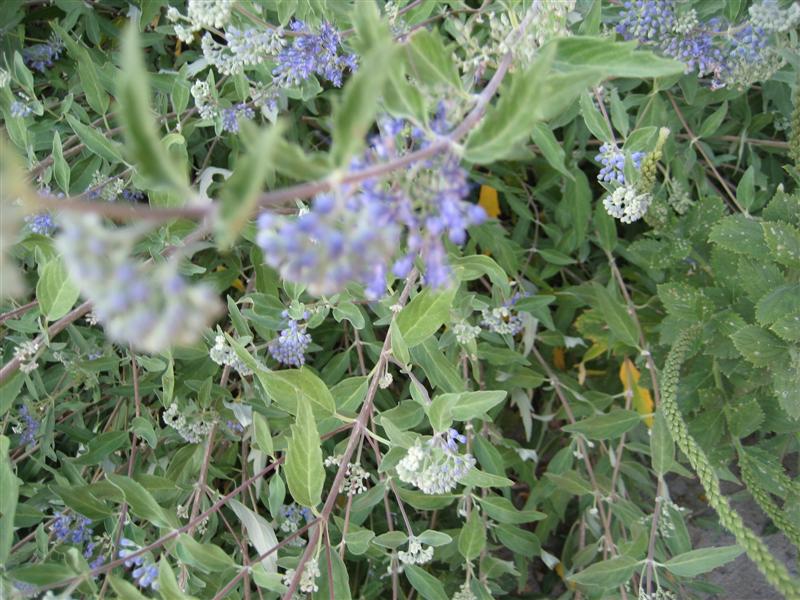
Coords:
pixel 414 299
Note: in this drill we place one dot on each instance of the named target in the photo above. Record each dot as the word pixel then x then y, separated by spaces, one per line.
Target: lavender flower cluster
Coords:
pixel 353 234
pixel 147 305
pixel 231 116
pixel 436 467
pixel 42 56
pixel 145 573
pixel 290 346
pixel 613 160
pixel 313 53
pixel 732 55
pixel 74 529
pixel 28 426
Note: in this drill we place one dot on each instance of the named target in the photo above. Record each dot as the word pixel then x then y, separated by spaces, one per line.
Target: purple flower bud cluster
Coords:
pixel 41 56
pixel 145 573
pixel 132 195
pixel 231 116
pixel 613 161
pixel 313 53
pixel 28 426
pixel 74 529
pixel 235 427
pixel 731 55
pixel 41 223
pixel 452 439
pixel 290 345
pixel 354 233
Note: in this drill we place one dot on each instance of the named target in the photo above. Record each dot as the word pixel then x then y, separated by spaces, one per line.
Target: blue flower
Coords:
pixel 613 161
pixel 29 426
pixel 41 56
pixel 312 54
pixel 290 345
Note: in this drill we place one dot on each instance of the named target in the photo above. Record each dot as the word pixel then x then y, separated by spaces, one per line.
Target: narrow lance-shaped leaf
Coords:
pixel 142 143
pixel 305 474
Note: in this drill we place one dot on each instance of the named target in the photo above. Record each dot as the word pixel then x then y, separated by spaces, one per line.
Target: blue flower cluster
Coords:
pixel 20 110
pixel 41 223
pixel 313 53
pixel 231 116
pixel 354 233
pixel 28 426
pixel 146 572
pixel 42 56
pixel 613 161
pixel 290 346
pixel 74 529
pixel 435 467
pixel 730 55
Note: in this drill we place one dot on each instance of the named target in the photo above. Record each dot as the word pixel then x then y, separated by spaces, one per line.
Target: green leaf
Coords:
pixel 611 58
pixel 606 426
pixel 399 346
pixel 759 346
pixel 207 557
pixel 783 241
pixel 779 303
pixel 518 540
pixel 357 542
pixel 746 191
pixel 472 538
pixel 616 316
pixel 347 310
pixel 305 474
pixel 42 573
pixel 353 117
pixel 696 562
pixel 438 412
pixel 424 315
pixel 426 584
pixel 96 96
pixel 550 148
pixel 141 503
pixel 482 479
pixel 607 574
pixel 55 290
pixel 512 119
pixel 740 234
pixel 571 483
pixel 9 488
pixel 606 228
pixel 152 160
pixel 125 590
pixel 439 371
pixel 429 61
pixel 167 583
pixel 501 510
pixel 101 446
pixel 96 141
pixel 788 327
pixel 259 533
pixel 261 434
pixel 341 581
pixel 238 197
pixel 469 268
pixel 60 167
pixel 466 406
pixel 81 499
pixel 662 448
pixel 594 120
pixel 429 537
pixel 712 123
pixel 291 387
pixel 390 539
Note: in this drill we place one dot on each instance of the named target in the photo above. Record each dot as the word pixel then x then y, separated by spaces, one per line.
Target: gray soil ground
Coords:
pixel 740 579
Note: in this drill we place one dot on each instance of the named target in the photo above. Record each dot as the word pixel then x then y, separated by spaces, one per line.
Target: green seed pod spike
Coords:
pixel 774 571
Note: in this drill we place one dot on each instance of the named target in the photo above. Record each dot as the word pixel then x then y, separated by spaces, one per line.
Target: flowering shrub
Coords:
pixel 395 299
